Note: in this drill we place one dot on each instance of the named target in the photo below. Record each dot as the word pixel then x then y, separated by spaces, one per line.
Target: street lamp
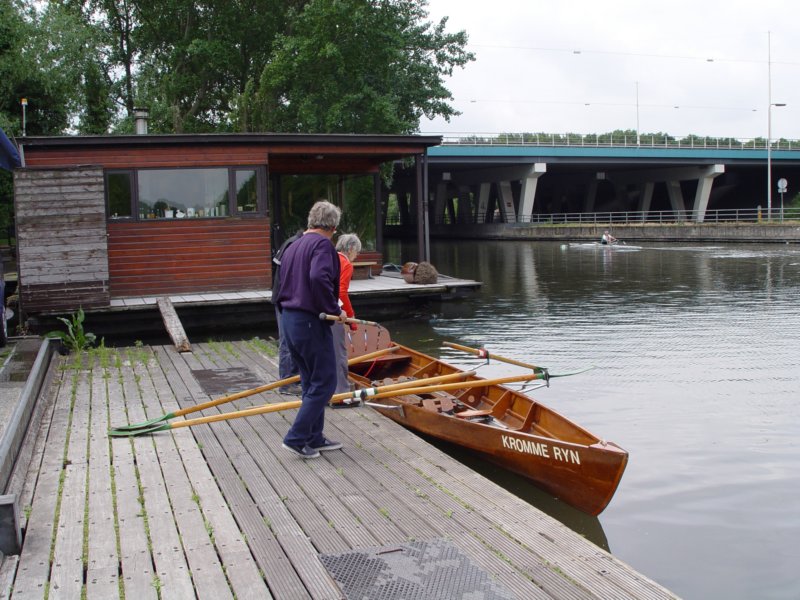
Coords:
pixel 769 157
pixel 638 142
pixel 24 103
pixel 770 104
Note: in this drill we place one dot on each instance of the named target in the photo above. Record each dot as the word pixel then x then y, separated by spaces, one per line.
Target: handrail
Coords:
pixel 608 140
pixel 631 217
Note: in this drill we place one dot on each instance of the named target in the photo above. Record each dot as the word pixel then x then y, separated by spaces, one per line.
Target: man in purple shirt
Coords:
pixel 309 285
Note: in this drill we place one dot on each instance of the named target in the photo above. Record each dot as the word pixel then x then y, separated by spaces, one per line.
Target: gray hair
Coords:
pixel 347 243
pixel 324 215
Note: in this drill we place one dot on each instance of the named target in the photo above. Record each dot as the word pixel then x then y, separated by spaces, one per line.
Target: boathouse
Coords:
pixel 105 217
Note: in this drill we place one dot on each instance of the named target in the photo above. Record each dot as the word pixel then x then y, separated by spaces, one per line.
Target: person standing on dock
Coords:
pixel 286 366
pixel 348 246
pixel 607 238
pixel 309 286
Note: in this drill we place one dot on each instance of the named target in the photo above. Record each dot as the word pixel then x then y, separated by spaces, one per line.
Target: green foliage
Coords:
pixel 197 59
pixel 358 66
pixel 74 338
pixel 330 65
pixel 43 53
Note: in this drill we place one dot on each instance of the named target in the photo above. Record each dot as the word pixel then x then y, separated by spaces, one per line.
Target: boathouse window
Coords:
pixel 144 194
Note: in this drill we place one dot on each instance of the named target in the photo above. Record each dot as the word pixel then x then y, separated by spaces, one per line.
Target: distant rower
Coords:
pixel 608 238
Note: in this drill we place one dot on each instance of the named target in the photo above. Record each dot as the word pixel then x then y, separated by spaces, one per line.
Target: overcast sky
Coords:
pixel 562 66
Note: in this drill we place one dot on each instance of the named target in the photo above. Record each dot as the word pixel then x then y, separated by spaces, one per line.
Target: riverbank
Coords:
pixel 774 232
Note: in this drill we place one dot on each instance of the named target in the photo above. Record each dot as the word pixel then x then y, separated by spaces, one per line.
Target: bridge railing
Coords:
pixel 734 215
pixel 632 217
pixel 623 140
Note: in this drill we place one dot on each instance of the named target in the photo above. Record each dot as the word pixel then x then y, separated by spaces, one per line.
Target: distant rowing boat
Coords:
pixel 598 245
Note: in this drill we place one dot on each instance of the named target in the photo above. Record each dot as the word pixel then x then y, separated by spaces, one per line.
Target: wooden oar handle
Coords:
pixel 271 386
pixel 483 353
pixel 327 317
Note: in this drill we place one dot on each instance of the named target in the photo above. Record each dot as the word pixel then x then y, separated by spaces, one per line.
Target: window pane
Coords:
pixel 118 187
pixel 246 191
pixel 182 193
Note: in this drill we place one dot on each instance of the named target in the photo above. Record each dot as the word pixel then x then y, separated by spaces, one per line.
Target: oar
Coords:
pixel 238 395
pixel 387 390
pixel 327 317
pixel 460 386
pixel 483 353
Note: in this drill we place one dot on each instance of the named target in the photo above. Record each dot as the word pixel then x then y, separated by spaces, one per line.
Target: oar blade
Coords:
pixel 570 373
pixel 117 433
pixel 144 424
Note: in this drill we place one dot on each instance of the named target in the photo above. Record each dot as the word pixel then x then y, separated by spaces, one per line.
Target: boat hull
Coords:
pixel 585 477
pixel 510 429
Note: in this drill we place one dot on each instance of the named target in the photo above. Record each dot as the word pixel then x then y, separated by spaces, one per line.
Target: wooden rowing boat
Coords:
pixel 504 426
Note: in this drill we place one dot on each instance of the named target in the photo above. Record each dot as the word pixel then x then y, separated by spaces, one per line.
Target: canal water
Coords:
pixel 696 356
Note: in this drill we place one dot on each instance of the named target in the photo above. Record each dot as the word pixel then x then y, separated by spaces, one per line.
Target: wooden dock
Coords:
pixel 386 286
pixel 222 511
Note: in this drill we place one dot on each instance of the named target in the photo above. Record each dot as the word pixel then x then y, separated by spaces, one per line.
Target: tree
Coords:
pixel 27 71
pixel 197 59
pixel 358 66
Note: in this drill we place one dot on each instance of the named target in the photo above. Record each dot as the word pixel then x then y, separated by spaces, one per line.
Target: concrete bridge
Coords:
pixel 517 179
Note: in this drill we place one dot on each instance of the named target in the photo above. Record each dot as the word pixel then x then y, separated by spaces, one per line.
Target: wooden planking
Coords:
pixel 358 157
pixel 102 568
pixel 208 576
pixel 29 459
pixel 464 523
pixel 33 571
pixel 240 567
pixel 171 570
pixel 136 562
pixel 61 239
pixel 152 155
pixel 386 506
pixel 54 298
pixel 279 573
pixel 66 576
pixel 332 527
pixel 552 542
pixel 288 534
pixel 180 256
pixel 173 324
pixel 351 509
pixel 386 482
pixel 8 567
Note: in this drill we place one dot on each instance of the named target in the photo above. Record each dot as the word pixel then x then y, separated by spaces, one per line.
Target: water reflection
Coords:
pixel 696 355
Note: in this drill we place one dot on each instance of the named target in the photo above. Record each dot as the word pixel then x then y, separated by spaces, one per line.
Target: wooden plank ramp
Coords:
pixel 222 511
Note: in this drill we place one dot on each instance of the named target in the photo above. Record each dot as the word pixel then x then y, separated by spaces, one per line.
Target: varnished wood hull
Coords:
pixel 509 429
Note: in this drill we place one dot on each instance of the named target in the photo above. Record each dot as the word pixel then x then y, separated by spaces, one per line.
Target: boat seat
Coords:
pixel 471 414
pixel 438 405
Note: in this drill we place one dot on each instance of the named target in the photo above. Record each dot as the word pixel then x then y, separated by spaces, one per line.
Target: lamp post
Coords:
pixel 770 104
pixel 769 156
pixel 638 142
pixel 24 103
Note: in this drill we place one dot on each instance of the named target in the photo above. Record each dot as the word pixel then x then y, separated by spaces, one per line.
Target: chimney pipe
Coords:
pixel 140 116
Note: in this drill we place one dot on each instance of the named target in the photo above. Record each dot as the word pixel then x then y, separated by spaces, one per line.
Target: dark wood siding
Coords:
pixel 61 238
pixel 184 256
pixel 142 157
